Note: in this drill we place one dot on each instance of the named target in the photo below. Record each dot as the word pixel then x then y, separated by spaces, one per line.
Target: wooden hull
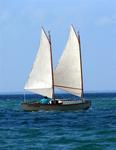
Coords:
pixel 26 106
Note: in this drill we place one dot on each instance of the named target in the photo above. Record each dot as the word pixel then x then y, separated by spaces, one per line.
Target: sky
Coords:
pixel 20 26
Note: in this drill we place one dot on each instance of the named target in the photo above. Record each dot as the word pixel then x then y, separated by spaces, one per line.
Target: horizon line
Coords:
pixel 86 92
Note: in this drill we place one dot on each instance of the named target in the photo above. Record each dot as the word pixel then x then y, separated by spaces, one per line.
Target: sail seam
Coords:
pixel 67 87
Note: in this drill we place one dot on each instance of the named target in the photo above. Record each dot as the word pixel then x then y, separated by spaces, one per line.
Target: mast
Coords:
pixel 82 95
pixel 53 93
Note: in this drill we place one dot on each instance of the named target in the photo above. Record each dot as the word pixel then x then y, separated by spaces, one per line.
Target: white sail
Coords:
pixel 67 75
pixel 40 78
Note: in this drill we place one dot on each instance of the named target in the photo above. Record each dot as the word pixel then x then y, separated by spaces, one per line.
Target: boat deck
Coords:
pixel 65 102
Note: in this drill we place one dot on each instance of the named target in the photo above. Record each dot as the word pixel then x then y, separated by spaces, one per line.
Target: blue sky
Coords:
pixel 20 24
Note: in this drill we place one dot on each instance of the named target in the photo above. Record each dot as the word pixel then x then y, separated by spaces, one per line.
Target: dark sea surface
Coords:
pixel 94 129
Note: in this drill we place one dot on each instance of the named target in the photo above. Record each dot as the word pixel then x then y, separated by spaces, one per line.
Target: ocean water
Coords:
pixel 94 129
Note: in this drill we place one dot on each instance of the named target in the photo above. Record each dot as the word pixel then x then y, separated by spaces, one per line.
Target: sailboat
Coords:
pixel 67 76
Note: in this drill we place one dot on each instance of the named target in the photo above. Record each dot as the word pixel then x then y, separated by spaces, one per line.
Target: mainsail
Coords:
pixel 68 73
pixel 40 78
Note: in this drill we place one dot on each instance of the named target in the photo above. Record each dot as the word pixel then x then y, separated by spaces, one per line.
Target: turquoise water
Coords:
pixel 94 129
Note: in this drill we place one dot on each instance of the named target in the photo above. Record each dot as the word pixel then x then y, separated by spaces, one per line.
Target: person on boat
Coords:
pixel 55 102
pixel 45 100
